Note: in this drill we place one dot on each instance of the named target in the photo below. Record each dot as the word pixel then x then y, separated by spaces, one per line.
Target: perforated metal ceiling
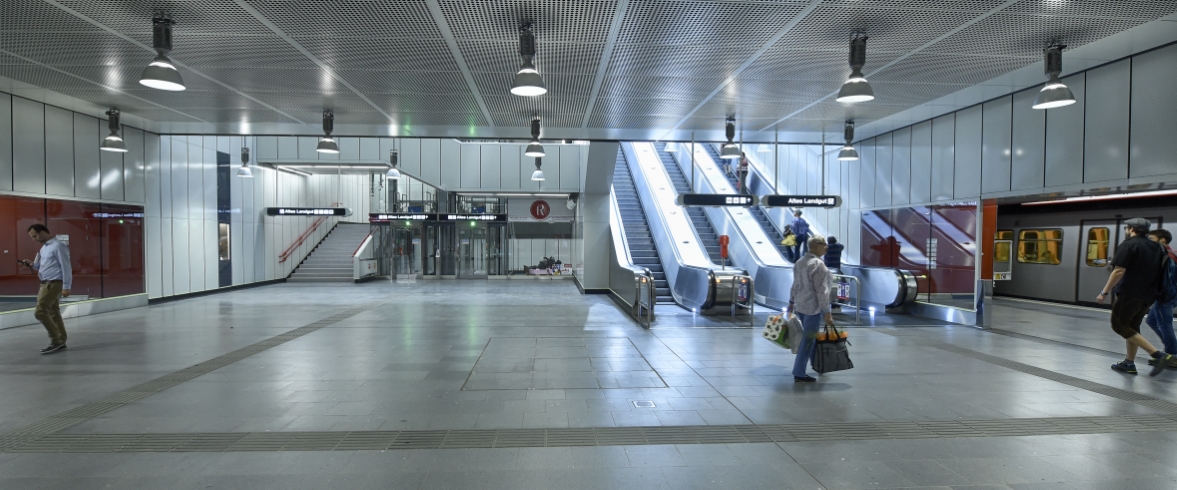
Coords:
pixel 444 67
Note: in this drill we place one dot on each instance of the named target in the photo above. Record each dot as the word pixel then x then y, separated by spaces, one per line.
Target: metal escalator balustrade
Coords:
pixel 756 211
pixel 703 226
pixel 637 231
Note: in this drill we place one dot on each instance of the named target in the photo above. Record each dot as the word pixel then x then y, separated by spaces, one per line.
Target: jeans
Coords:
pixel 810 324
pixel 801 247
pixel 1160 318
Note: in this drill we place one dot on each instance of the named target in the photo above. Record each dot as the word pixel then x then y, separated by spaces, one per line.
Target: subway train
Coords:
pixel 1060 251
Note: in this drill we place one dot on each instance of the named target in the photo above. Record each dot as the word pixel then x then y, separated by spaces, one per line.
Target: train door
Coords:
pixel 1097 244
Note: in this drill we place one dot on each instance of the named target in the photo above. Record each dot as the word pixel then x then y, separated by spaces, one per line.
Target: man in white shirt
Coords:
pixel 56 273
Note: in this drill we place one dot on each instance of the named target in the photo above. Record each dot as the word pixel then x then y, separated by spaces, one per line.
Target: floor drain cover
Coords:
pixel 643 404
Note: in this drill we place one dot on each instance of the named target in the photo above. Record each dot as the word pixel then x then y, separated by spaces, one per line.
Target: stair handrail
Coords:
pixel 625 277
pixel 303 237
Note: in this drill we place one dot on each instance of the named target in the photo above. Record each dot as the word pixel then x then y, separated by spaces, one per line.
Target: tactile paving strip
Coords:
pixel 1131 396
pixel 606 436
pixel 90 410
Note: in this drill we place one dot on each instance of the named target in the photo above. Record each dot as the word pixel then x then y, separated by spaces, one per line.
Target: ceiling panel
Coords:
pixel 671 61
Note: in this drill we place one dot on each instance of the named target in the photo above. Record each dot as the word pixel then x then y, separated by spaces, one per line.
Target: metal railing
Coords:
pixel 749 302
pixel 857 296
pixel 647 298
pixel 303 237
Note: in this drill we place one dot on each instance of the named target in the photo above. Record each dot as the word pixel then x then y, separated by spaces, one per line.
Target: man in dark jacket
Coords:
pixel 833 256
pixel 1134 281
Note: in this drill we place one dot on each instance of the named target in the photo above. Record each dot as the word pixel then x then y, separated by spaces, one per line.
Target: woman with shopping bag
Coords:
pixel 810 301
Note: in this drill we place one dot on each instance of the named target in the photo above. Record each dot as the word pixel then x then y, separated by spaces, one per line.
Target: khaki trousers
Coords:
pixel 49 311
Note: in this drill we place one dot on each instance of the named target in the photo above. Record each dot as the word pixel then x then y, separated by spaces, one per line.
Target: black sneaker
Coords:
pixel 52 348
pixel 1162 362
pixel 1152 361
pixel 804 379
pixel 1125 367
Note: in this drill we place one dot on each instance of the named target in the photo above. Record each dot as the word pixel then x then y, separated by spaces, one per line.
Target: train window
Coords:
pixel 1040 246
pixel 1001 251
pixel 1097 246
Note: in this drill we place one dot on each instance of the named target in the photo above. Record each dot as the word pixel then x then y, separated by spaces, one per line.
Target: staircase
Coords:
pixel 702 225
pixel 756 212
pixel 331 260
pixel 637 230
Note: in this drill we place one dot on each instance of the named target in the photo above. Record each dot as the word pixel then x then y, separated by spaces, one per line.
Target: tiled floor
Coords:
pixel 457 355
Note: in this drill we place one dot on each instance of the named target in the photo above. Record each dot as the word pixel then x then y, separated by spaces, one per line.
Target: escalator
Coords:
pixel 757 212
pixel 699 219
pixel 637 231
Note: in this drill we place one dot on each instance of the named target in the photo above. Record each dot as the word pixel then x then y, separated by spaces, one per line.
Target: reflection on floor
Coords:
pixel 472 366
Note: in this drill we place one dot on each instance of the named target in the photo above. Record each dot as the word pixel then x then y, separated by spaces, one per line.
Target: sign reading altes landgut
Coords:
pixel 802 201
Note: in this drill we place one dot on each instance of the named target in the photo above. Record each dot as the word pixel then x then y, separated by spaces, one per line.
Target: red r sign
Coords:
pixel 540 209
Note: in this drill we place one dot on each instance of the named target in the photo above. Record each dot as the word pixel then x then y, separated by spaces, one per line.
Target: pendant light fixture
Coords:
pixel 534 149
pixel 528 82
pixel 393 173
pixel 244 171
pixel 538 175
pixel 671 147
pixel 327 144
pixel 856 89
pixel 1054 93
pixel 113 142
pixel 848 152
pixel 730 149
pixel 161 73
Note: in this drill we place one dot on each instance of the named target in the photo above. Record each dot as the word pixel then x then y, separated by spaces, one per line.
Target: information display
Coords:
pixel 389 217
pixel 802 201
pixel 472 217
pixel 308 212
pixel 737 200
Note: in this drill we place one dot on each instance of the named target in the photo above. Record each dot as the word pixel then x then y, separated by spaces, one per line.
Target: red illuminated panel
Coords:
pixel 75 220
pixel 16 215
pixel 122 250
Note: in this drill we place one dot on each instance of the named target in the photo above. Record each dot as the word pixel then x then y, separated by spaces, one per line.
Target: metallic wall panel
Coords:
pixel 1028 162
pixel 134 165
pixel 370 149
pixel 208 170
pixel 306 148
pixel 943 156
pixel 1064 137
pixel 509 167
pixel 409 158
pixel 996 141
pixel 181 257
pixel 866 167
pixel 167 256
pixel 28 146
pixel 288 148
pixel 551 165
pixel 1154 137
pixel 921 162
pixel 854 187
pixel 195 180
pixel 431 161
pixel 884 157
pixel 112 175
pixel 5 142
pixel 451 164
pixel 570 167
pixel 267 148
pixel 87 161
pixel 901 166
pixel 1105 151
pixel 151 176
pixel 59 154
pixel 197 244
pixel 154 265
pixel 212 279
pixel 165 176
pixel 179 171
pixel 490 166
pixel 470 172
pixel 349 148
pixel 967 170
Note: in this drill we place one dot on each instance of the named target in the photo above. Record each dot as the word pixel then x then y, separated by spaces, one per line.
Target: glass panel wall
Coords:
pixel 937 243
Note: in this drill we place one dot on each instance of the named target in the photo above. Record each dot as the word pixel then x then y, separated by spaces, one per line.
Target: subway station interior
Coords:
pixel 518 244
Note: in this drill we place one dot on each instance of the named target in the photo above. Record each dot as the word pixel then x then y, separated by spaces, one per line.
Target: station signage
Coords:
pixel 472 217
pixel 117 215
pixel 802 201
pixel 1002 276
pixel 735 200
pixel 308 212
pixel 389 217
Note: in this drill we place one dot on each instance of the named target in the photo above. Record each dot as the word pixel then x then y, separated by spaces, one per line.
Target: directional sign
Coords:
pixel 471 217
pixel 308 212
pixel 802 201
pixel 738 200
pixel 388 217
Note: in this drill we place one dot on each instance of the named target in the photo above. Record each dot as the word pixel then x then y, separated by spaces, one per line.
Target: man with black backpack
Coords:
pixel 1135 281
pixel 1160 316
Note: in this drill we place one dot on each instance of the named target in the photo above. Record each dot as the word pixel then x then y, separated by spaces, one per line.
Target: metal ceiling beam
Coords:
pixel 452 43
pixel 606 55
pixel 752 59
pixel 314 59
pixel 107 87
pixel 907 55
pixel 151 49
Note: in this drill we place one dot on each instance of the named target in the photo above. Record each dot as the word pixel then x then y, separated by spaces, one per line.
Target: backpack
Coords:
pixel 1168 295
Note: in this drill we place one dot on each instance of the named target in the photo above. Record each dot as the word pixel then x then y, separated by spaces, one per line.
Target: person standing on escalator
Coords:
pixel 742 175
pixel 801 229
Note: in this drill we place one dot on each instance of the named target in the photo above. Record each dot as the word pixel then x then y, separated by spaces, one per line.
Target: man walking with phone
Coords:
pixel 53 267
pixel 1134 280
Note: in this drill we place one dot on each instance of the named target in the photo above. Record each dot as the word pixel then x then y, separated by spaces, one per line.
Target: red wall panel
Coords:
pixel 122 251
pixel 76 220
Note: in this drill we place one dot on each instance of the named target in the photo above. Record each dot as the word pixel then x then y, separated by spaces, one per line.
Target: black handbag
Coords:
pixel 832 354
